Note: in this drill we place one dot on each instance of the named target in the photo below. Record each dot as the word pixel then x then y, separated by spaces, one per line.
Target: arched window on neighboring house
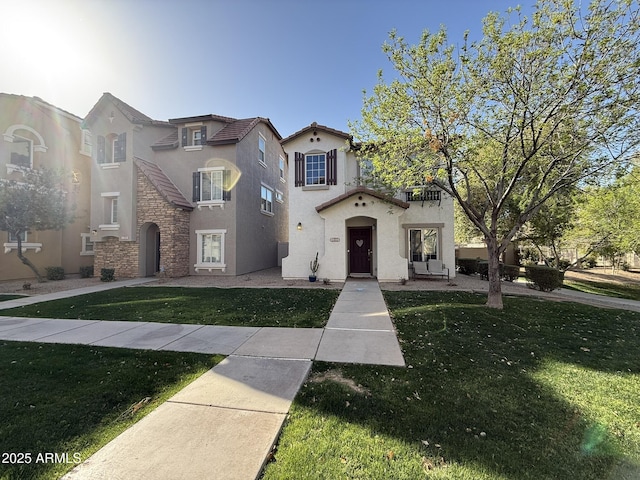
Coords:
pixel 24 141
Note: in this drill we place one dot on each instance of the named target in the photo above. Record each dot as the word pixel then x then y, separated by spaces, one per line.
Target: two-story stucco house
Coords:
pixel 36 134
pixel 202 195
pixel 355 230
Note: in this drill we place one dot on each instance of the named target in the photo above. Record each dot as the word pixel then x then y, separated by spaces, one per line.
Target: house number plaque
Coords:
pixel 334 239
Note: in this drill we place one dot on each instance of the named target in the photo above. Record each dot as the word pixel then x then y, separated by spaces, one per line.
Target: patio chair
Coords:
pixel 434 268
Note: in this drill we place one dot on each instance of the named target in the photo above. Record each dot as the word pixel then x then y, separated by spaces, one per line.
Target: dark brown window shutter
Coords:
pixel 203 135
pixel 196 186
pixel 120 154
pixel 101 149
pixel 332 167
pixel 185 137
pixel 299 169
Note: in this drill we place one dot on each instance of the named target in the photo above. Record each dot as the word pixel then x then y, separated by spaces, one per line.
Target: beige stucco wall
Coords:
pixel 56 137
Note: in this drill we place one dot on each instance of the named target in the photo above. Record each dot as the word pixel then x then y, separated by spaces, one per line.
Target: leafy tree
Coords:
pixel 608 218
pixel 503 124
pixel 36 202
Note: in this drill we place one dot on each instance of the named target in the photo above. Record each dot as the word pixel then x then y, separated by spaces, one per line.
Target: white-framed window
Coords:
pixel 281 168
pixel 21 152
pixel 316 169
pixel 210 250
pixel 424 244
pixel 14 239
pixel 111 212
pixel 211 185
pixel 194 136
pixel 262 150
pixel 279 196
pixel 86 142
pixel 87 244
pixel 266 199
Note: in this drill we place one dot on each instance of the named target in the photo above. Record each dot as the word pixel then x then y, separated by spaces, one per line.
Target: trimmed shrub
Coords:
pixel 510 272
pixel 107 274
pixel 483 269
pixel 55 273
pixel 544 278
pixel 86 272
pixel 468 266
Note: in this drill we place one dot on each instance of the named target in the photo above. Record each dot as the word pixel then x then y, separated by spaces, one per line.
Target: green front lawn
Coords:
pixel 541 390
pixel 72 399
pixel 276 307
pixel 5 297
pixel 630 291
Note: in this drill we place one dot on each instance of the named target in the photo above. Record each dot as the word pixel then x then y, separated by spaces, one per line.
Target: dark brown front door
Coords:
pixel 360 250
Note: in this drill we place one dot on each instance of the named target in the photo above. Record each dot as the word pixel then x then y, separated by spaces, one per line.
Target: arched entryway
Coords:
pixel 149 249
pixel 360 246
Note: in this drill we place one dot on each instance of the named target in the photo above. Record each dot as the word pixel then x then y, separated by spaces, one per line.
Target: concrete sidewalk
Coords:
pixel 223 425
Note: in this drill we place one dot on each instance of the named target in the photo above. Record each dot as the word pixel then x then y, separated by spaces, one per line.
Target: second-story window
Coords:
pixel 315 169
pixel 21 152
pixel 210 186
pixel 112 148
pixel 281 166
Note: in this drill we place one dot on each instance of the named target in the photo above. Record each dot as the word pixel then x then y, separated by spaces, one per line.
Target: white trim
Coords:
pixel 263 161
pixel 110 194
pixel 109 226
pixel 10 133
pixel 192 148
pixel 86 238
pixel 108 166
pixel 210 266
pixel 36 247
pixel 210 169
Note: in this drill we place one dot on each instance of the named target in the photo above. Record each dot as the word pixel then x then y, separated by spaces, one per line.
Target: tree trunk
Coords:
pixel 25 260
pixel 494 298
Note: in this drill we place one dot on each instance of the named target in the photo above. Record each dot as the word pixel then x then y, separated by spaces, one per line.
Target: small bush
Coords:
pixel 86 272
pixel 511 272
pixel 544 278
pixel 468 266
pixel 590 262
pixel 483 269
pixel 625 266
pixel 107 274
pixel 55 273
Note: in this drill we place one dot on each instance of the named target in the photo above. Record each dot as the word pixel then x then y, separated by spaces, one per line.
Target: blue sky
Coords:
pixel 294 61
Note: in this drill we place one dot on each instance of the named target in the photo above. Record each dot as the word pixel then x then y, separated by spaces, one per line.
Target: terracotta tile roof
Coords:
pixel 202 118
pixel 360 190
pixel 163 184
pixel 168 142
pixel 315 127
pixel 237 130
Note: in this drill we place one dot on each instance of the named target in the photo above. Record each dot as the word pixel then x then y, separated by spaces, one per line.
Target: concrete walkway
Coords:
pixel 224 424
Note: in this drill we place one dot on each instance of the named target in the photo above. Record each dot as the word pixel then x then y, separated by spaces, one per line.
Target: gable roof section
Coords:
pixel 163 184
pixel 314 127
pixel 238 129
pixel 133 115
pixel 360 190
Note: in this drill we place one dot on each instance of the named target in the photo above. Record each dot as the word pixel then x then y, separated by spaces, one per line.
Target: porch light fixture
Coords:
pixel 299 227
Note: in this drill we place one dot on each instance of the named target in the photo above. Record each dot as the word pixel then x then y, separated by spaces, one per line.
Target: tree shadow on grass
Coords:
pixel 483 388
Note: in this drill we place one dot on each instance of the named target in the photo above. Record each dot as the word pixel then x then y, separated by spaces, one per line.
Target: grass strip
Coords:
pixel 277 307
pixel 538 390
pixel 73 399
pixel 629 291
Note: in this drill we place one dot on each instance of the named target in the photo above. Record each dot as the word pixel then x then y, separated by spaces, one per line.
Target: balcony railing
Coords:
pixel 423 196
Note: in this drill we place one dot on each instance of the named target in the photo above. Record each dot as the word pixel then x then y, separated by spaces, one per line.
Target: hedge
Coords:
pixel 55 273
pixel 543 277
pixel 468 266
pixel 86 272
pixel 107 274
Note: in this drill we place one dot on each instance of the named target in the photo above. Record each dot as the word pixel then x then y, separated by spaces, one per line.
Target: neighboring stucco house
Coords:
pixel 357 231
pixel 201 195
pixel 36 134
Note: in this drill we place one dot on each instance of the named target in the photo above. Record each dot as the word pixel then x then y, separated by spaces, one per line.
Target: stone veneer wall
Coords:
pixel 174 237
pixel 173 224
